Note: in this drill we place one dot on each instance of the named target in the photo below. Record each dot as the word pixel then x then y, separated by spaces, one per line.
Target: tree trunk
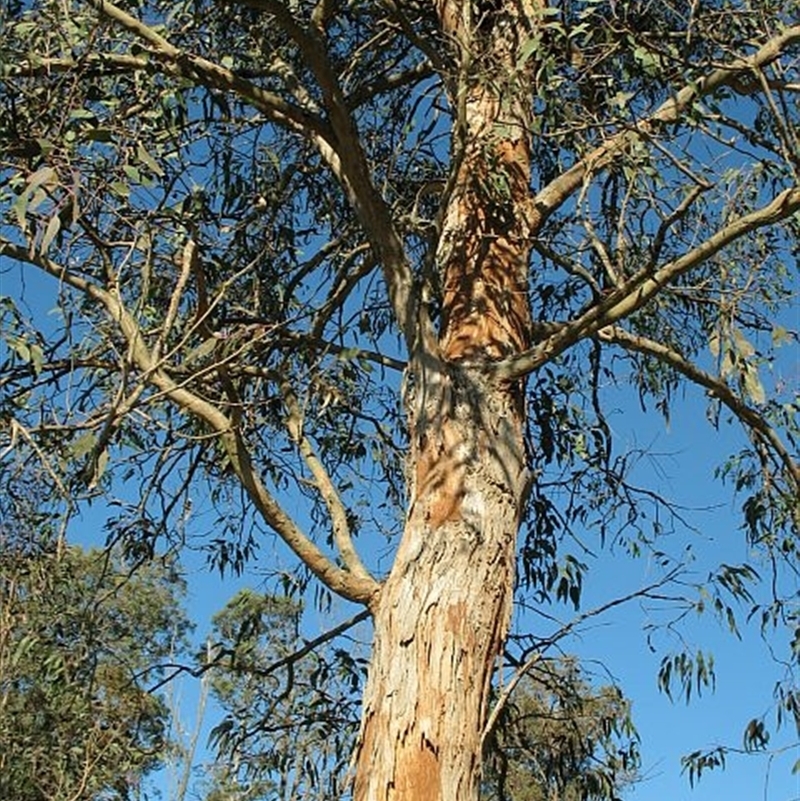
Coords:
pixel 442 616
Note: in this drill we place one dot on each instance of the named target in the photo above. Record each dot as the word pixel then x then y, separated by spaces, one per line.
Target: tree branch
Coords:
pixel 285 661
pixel 338 144
pixel 322 480
pixel 385 83
pixel 529 663
pixel 175 61
pixel 560 189
pixel 429 49
pixel 642 287
pixel 113 62
pixel 715 386
pixel 346 159
pixel 347 585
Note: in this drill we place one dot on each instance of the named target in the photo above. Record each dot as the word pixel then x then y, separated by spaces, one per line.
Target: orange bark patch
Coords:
pixel 486 307
pixel 419 775
pixel 485 310
pixel 455 616
pixel 485 299
pixel 440 473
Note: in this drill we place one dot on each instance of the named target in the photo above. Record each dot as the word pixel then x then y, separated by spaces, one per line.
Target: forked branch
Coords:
pixel 346 159
pixel 642 287
pixel 344 583
pixel 556 193
pixel 179 63
pixel 562 632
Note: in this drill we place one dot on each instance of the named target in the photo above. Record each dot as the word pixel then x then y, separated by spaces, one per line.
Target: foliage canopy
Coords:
pixel 82 642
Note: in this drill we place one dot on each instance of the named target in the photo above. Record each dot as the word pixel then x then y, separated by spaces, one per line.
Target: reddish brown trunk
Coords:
pixel 485 246
pixel 442 616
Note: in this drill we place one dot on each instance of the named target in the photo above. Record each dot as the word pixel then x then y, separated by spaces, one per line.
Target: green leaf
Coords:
pixel 780 336
pixel 45 176
pixel 99 135
pixel 348 354
pixel 82 114
pixel 713 343
pixel 148 160
pixel 728 362
pixel 132 173
pixel 53 227
pixel 753 386
pixel 621 99
pixel 99 468
pixel 37 359
pixel 45 146
pixel 33 194
pixel 20 209
pixel 527 49
pixel 20 347
pixel 121 189
pixel 30 353
pixel 206 348
pixel 647 60
pixel 743 346
pixel 84 444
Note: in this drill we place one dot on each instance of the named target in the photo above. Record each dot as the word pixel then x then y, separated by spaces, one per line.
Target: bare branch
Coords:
pixel 187 266
pixel 17 430
pixel 338 143
pixel 529 663
pixel 790 145
pixel 285 661
pixel 92 62
pixel 431 52
pixel 677 214
pixel 338 146
pixel 324 484
pixel 175 61
pixel 643 286
pixel 385 83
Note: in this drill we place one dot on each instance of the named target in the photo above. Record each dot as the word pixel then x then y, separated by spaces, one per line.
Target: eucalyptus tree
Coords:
pixel 388 257
pixel 562 739
pixel 83 639
pixel 290 706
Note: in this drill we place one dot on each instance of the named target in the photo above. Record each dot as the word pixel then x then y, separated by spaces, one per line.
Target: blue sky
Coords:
pixel 745 671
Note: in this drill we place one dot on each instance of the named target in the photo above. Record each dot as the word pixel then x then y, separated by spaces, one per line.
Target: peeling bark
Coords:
pixel 443 613
pixel 442 616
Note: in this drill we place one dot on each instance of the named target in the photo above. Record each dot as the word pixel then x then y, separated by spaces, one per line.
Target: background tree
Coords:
pixel 562 740
pixel 82 636
pixel 290 707
pixel 394 258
